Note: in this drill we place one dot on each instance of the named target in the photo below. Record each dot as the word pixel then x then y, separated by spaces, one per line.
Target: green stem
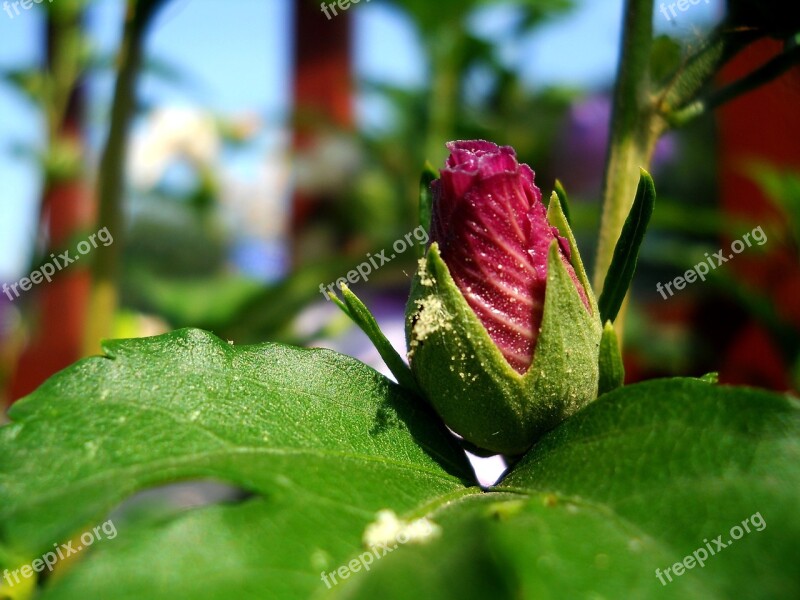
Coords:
pixel 110 187
pixel 641 115
pixel 64 65
pixel 635 128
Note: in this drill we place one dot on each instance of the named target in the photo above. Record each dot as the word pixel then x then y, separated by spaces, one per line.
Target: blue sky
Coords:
pixel 236 55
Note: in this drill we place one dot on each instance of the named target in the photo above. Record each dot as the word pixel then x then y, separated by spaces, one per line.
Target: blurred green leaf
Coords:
pixel 783 188
pixel 210 302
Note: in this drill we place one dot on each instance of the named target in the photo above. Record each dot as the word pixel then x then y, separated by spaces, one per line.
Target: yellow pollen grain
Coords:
pixel 422 270
pixel 431 317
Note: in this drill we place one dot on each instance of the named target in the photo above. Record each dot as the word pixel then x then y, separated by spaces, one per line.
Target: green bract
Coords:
pixel 467 379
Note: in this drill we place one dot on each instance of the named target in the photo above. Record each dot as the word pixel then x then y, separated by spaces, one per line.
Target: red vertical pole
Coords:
pixel 323 84
pixel 59 307
pixel 763 125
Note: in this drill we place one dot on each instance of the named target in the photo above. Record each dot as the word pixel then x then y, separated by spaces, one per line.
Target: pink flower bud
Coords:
pixel 491 226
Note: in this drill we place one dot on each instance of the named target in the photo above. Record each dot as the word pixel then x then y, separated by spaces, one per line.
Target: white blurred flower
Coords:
pixel 328 165
pixel 170 134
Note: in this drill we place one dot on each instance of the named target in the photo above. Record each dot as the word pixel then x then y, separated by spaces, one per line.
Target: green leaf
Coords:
pixel 459 565
pixel 626 251
pixel 612 371
pixel 685 461
pixel 635 482
pixel 322 441
pixel 359 313
pixel 523 548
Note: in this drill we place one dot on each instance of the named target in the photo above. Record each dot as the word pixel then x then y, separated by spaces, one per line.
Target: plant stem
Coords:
pixel 641 115
pixel 635 128
pixel 110 186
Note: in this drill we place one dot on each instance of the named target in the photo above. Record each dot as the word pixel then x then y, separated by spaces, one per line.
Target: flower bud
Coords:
pixel 502 327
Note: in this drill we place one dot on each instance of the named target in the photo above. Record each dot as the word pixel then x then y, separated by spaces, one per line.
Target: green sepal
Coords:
pixel 626 252
pixel 565 362
pixel 354 308
pixel 559 190
pixel 612 371
pixel 468 380
pixel 427 177
pixel 557 217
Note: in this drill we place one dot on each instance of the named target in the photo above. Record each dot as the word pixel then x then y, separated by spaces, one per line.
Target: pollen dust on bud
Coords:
pixel 422 270
pixel 430 318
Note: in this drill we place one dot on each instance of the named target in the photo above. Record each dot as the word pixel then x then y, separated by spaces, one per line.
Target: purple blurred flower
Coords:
pixel 493 234
pixel 582 145
pixel 6 314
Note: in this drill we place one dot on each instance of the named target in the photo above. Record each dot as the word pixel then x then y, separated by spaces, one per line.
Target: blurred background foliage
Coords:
pixel 194 246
